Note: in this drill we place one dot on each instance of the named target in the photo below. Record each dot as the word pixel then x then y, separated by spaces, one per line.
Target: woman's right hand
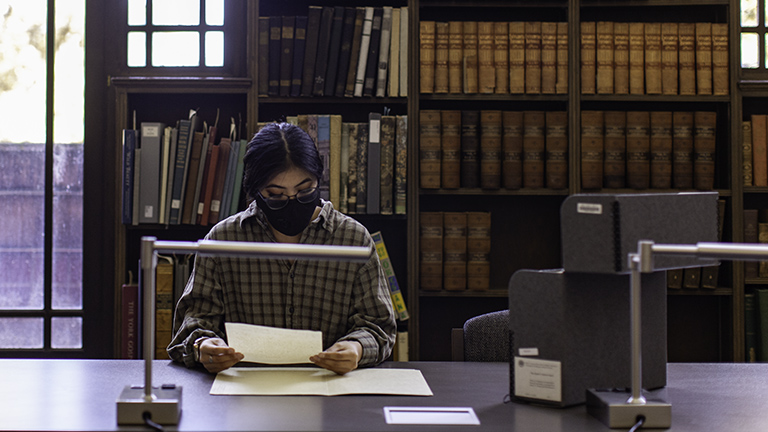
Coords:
pixel 217 356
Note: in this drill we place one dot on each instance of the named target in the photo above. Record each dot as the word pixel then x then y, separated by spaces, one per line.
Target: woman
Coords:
pixel 348 302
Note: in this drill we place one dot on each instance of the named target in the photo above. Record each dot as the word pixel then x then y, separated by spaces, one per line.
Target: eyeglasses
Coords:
pixel 304 196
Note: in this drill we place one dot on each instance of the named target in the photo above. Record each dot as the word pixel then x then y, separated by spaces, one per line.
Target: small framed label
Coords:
pixel 589 208
pixel 528 352
pixel 538 379
pixel 431 415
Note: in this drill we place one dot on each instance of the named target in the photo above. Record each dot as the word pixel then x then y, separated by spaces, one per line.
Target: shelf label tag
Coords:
pixel 589 208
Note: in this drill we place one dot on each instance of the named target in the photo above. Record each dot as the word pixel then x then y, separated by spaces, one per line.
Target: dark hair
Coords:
pixel 274 149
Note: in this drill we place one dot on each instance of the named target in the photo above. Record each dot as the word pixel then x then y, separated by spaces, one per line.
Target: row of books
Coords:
pixel 493 57
pixel 182 174
pixel 365 162
pixel 335 51
pixel 755 153
pixel 755 231
pixel 642 149
pixel 654 58
pixel 492 149
pixel 455 249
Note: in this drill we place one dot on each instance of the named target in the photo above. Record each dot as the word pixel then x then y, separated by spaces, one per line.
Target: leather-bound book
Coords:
pixel 387 172
pixel 746 146
pixel 429 149
pixel 533 149
pixel 431 251
pixel 592 148
pixel 486 71
pixel 588 57
pixel 427 56
pixel 450 144
pixel 455 251
pixel 682 150
pixel 556 145
pixel 299 47
pixel 704 58
pixel 669 58
pixel 652 58
pixel 621 58
pixel 720 59
pixel 759 151
pixel 548 57
pixel 314 15
pixel 614 166
pixel 470 61
pixel 533 57
pixel 352 167
pixel 442 39
pixel 275 36
pixel 455 57
pixel 401 164
pixel 478 251
pixel 561 86
pixel 661 149
pixel 604 57
pixel 501 56
pixel 345 52
pixel 490 149
pixel 354 54
pixel 323 50
pixel 638 149
pixel 286 54
pixel 704 140
pixel 372 68
pixel 512 149
pixel 517 57
pixel 470 149
pixel 686 58
pixel 263 68
pixel 636 58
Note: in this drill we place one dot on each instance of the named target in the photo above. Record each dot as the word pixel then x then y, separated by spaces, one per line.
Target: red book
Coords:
pixel 208 178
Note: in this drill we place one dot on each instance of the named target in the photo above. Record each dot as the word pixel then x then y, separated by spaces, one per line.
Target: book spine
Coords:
pixel 501 56
pixel 431 251
pixel 604 57
pixel 275 36
pixel 455 57
pixel 549 57
pixel 344 168
pixel 512 149
pixel 310 51
pixel 652 58
pixel 682 149
pixel 661 149
pixel 669 58
pixel 750 328
pixel 470 149
pixel 614 167
pixel 533 57
pixel 533 149
pixel 687 58
pixel 486 73
pixel 450 144
pixel 746 146
pixel 374 163
pixel 588 57
pixel 621 58
pixel 191 180
pixel 387 165
pixel 398 303
pixel 352 188
pixel 186 134
pixel 323 50
pixel 362 169
pixel 324 148
pixel 427 56
pixel 354 53
pixel 136 186
pixel 455 251
pixel 149 186
pixel 382 71
pixel 263 56
pixel 759 151
pixel 704 150
pixel 371 70
pixel 129 153
pixel 592 148
pixel 286 54
pixel 517 57
pixel 404 38
pixel 704 58
pixel 129 340
pixel 334 162
pixel 470 60
pixel 401 164
pixel 429 149
pixel 442 40
pixel 235 206
pixel 299 48
pixel 225 146
pixel 636 58
pixel 561 86
pixel 334 51
pixel 163 307
pixel 638 149
pixel 720 81
pixel 167 174
pixel 393 81
pixel 556 146
pixel 490 149
pixel 478 251
pixel 204 210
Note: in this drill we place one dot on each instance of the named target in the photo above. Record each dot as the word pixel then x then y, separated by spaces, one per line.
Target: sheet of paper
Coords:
pixel 270 345
pixel 431 415
pixel 315 381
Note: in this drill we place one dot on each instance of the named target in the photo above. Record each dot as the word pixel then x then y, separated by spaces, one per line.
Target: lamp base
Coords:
pixel 611 408
pixel 164 408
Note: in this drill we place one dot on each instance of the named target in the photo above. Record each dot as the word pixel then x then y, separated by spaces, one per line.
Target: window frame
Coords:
pixel 761 72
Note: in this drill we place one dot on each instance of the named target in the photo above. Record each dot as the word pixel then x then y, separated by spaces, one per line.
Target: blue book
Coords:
pixel 186 134
pixel 129 153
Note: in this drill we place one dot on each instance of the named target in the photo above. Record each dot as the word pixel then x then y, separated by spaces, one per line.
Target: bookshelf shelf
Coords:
pixel 499 192
pixel 332 100
pixel 651 3
pixel 656 98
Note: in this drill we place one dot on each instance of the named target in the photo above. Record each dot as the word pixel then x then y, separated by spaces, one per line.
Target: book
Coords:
pixel 431 251
pixel 516 58
pixel 556 149
pixel 361 203
pixel 490 149
pixel 226 196
pixel 275 36
pixel 149 182
pixel 373 189
pixel 592 148
pixel 442 40
pixel 761 297
pixel 387 165
pixel 512 149
pixel 225 146
pixel 450 148
pixel 371 70
pixel 454 251
pixel 195 154
pixel 286 54
pixel 720 82
pixel 344 169
pixel 429 149
pixel 652 58
pixel 548 57
pixel 129 153
pixel 314 14
pixel 354 54
pixel 561 85
pixel 136 186
pixel 615 152
pixel 470 149
pixel 620 58
pixel 212 162
pixel 686 58
pixel 187 128
pixel 324 148
pixel 638 149
pixel 750 328
pixel 533 149
pixel 532 57
pixel 470 60
pixel 500 56
pixel 703 58
pixel 588 51
pixel 682 149
pixel 384 47
pixel 426 56
pixel 334 50
pixel 486 72
pixel 604 57
pixel 750 236
pixel 404 37
pixel 170 134
pixel 661 149
pixel 236 192
pixel 202 179
pixel 759 151
pixel 401 164
pixel 636 58
pixel 393 81
pixel 299 48
pixel 163 305
pixel 455 56
pixel 746 146
pixel 478 251
pixel 263 56
pixel 704 149
pixel 334 161
pixel 669 58
pixel 398 302
pixel 323 50
pixel 352 168
pixel 365 44
pixel 130 333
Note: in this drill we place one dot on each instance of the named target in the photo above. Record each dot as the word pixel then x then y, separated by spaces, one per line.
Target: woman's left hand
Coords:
pixel 341 357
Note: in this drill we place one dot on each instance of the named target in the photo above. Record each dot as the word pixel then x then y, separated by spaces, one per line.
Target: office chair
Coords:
pixel 484 338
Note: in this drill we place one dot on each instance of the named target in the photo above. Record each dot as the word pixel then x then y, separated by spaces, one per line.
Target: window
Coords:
pixel 754 39
pixel 41 177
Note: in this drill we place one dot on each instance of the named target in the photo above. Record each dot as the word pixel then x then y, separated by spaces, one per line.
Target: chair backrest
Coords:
pixel 487 337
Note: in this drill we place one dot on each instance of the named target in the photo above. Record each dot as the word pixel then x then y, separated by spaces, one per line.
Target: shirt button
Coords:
pixel 290 309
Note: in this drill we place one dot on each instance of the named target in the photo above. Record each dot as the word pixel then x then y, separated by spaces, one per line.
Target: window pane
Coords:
pixel 137 12
pixel 66 332
pixel 749 51
pixel 214 12
pixel 137 49
pixel 176 49
pixel 749 13
pixel 214 49
pixel 21 333
pixel 176 12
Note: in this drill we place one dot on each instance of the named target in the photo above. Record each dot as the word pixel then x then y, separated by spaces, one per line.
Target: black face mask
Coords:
pixel 291 219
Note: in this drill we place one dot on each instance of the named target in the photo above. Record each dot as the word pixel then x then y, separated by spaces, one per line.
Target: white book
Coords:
pixel 386 36
pixel 403 51
pixel 365 42
pixel 393 89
